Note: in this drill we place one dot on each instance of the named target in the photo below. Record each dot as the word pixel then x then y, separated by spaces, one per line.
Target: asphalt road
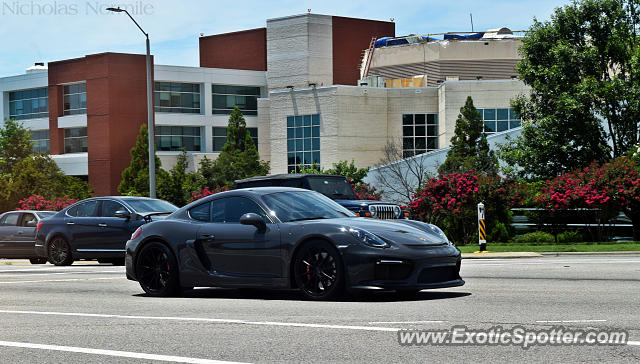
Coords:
pixel 91 313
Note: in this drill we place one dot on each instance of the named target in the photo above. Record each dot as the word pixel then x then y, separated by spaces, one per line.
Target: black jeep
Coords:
pixel 336 188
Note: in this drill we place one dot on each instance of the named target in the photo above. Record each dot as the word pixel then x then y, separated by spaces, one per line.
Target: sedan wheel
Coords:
pixel 59 252
pixel 157 270
pixel 318 271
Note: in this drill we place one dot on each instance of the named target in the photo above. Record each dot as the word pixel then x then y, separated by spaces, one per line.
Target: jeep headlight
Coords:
pixel 397 211
pixel 368 238
pixel 372 210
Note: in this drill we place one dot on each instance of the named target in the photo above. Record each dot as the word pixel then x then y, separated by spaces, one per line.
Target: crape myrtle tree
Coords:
pixel 135 178
pixel 469 146
pixel 584 104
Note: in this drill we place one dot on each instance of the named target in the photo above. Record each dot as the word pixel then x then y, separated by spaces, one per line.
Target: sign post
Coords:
pixel 482 235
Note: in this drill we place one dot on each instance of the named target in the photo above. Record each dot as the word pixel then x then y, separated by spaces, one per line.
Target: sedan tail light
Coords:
pixel 136 233
pixel 40 223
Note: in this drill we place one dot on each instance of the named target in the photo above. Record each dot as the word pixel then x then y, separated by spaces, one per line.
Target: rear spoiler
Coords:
pixel 147 216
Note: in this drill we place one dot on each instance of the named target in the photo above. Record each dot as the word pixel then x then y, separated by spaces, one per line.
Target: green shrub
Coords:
pixel 570 237
pixel 499 233
pixel 534 238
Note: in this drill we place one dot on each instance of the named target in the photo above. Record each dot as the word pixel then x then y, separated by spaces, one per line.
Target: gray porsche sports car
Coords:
pixel 278 237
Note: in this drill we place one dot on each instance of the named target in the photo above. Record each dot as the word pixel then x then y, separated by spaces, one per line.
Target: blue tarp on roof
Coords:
pixel 464 36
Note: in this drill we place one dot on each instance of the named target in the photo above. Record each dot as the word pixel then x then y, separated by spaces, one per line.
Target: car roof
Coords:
pixel 29 211
pixel 284 176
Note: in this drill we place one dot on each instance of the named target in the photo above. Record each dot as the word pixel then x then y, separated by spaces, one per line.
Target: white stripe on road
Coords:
pixel 123 354
pixel 212 320
pixel 61 280
pixel 5 275
pixel 569 321
pixel 634 343
pixel 76 268
pixel 476 263
pixel 406 322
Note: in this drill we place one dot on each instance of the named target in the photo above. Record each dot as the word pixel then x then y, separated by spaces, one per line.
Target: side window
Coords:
pixel 229 210
pixel 110 207
pixel 201 212
pixel 26 218
pixel 10 219
pixel 87 209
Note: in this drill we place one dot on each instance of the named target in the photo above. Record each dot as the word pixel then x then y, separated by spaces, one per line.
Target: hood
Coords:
pixel 397 233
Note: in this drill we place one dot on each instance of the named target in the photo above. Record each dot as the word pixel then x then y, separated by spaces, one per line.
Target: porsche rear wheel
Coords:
pixel 157 270
pixel 318 269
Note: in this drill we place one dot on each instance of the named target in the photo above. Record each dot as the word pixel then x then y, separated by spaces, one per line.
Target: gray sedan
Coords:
pixel 18 234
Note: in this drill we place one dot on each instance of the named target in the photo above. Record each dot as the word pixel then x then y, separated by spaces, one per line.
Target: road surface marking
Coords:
pixel 61 280
pixel 212 320
pixel 634 343
pixel 5 275
pixel 406 322
pixel 53 267
pixel 475 263
pixel 123 354
pixel 569 321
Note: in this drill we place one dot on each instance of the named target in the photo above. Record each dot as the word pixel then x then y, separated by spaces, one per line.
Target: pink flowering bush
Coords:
pixel 364 191
pixel 450 201
pixel 40 203
pixel 204 192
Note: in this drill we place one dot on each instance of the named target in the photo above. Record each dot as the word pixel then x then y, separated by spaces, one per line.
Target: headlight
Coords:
pixel 368 239
pixel 397 211
pixel 439 232
pixel 372 210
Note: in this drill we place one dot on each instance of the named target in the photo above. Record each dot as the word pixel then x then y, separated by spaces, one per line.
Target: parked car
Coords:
pixel 96 228
pixel 278 237
pixel 336 188
pixel 18 234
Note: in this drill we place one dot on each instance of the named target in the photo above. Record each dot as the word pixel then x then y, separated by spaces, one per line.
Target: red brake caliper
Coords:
pixel 308 270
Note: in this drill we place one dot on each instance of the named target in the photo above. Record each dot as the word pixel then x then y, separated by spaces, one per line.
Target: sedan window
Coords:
pixel 10 219
pixel 26 218
pixel 110 207
pixel 85 209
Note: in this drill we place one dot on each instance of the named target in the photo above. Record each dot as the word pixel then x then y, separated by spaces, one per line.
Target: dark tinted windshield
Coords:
pixel 144 205
pixel 297 206
pixel 333 187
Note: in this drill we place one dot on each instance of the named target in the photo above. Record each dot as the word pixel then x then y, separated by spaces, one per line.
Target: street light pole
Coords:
pixel 150 122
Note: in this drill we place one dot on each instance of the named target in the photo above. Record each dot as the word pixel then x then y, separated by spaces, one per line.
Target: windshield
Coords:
pixel 144 205
pixel 334 188
pixel 300 205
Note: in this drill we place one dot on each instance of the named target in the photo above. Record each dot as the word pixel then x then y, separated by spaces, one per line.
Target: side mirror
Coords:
pixel 123 214
pixel 31 223
pixel 255 220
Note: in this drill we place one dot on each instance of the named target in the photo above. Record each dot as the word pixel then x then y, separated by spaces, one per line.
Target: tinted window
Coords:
pixel 85 209
pixel 10 219
pixel 26 218
pixel 334 188
pixel 228 210
pixel 148 205
pixel 110 207
pixel 200 212
pixel 292 183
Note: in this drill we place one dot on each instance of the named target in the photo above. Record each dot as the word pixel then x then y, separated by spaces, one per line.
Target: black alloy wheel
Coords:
pixel 318 271
pixel 38 260
pixel 157 270
pixel 59 252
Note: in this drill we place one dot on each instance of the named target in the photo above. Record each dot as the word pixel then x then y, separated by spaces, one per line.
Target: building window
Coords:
pixel 220 137
pixel 225 98
pixel 303 141
pixel 29 104
pixel 40 140
pixel 175 138
pixel 498 120
pixel 177 97
pixel 419 134
pixel 75 140
pixel 74 99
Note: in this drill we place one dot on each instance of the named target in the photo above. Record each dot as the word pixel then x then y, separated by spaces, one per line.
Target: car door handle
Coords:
pixel 71 223
pixel 102 225
pixel 208 237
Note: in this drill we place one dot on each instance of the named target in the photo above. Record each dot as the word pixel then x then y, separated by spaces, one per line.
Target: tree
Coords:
pixel 469 147
pixel 135 178
pixel 582 67
pixel 15 144
pixel 179 184
pixel 398 176
pixel 239 157
pixel 342 168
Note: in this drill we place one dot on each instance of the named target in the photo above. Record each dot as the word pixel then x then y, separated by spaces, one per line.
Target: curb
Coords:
pixel 501 255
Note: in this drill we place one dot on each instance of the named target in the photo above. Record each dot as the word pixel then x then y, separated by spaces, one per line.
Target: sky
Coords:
pixel 50 30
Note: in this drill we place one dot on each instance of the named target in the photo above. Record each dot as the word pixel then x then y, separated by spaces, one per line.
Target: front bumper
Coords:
pixel 403 268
